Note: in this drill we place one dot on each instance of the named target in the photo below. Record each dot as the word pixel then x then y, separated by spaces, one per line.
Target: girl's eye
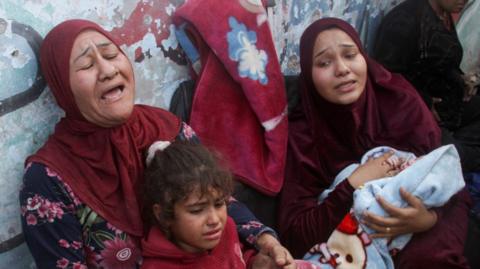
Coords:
pixel 195 211
pixel 219 204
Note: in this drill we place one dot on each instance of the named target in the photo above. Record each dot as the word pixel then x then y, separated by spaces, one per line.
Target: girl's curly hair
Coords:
pixel 176 172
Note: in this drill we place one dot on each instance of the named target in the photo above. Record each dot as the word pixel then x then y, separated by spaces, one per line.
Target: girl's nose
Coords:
pixel 213 217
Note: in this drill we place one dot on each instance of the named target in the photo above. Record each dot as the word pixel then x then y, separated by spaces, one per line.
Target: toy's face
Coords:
pixel 348 249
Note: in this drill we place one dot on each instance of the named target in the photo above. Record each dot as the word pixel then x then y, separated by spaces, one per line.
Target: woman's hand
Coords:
pixel 413 219
pixel 272 254
pixel 372 169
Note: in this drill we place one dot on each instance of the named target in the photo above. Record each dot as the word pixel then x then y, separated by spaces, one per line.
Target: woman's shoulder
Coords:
pixel 38 175
pixel 40 180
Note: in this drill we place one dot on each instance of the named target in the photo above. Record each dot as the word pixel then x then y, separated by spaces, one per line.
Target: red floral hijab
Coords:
pixel 103 166
pixel 389 112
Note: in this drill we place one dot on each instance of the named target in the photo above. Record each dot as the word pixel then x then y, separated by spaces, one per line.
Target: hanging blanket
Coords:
pixel 239 105
pixel 434 178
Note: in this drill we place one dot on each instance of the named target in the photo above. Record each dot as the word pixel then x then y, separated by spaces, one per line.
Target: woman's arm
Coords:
pixel 254 233
pixel 50 227
pixel 248 226
pixel 303 221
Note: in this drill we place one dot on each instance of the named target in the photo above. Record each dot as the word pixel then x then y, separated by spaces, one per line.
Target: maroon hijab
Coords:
pixel 103 166
pixel 389 112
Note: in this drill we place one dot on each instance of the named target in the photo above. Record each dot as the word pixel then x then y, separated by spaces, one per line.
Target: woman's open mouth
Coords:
pixel 113 94
pixel 346 86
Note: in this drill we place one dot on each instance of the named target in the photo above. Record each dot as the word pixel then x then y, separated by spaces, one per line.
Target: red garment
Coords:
pixel 103 166
pixel 242 117
pixel 324 138
pixel 159 252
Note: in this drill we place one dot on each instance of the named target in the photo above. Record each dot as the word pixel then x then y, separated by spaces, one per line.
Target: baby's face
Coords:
pixel 199 221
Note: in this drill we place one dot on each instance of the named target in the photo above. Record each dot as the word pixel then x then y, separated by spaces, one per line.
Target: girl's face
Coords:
pixel 339 70
pixel 101 79
pixel 199 221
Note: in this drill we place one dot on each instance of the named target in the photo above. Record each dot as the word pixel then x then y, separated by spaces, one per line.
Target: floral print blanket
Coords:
pixel 239 86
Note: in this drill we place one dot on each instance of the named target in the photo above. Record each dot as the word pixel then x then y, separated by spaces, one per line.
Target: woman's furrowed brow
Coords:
pixel 99 45
pixel 84 52
pixel 320 52
pixel 104 44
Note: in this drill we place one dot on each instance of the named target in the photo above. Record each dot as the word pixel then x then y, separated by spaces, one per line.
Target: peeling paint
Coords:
pixel 3 26
pixel 171 42
pixel 17 62
pixel 147 43
pixel 18 59
pixel 6 28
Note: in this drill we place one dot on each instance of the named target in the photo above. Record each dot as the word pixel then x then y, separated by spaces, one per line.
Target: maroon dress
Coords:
pixel 324 138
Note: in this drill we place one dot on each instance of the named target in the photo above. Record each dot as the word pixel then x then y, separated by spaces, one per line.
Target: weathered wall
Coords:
pixel 28 112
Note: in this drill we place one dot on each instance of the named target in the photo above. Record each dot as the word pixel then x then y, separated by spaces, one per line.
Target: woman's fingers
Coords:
pixel 413 218
pixel 379 221
pixel 380 235
pixel 279 254
pixel 391 209
pixel 411 199
pixel 383 230
pixel 393 172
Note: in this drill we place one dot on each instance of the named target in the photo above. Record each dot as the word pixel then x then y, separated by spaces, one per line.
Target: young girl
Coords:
pixel 185 206
pixel 186 196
